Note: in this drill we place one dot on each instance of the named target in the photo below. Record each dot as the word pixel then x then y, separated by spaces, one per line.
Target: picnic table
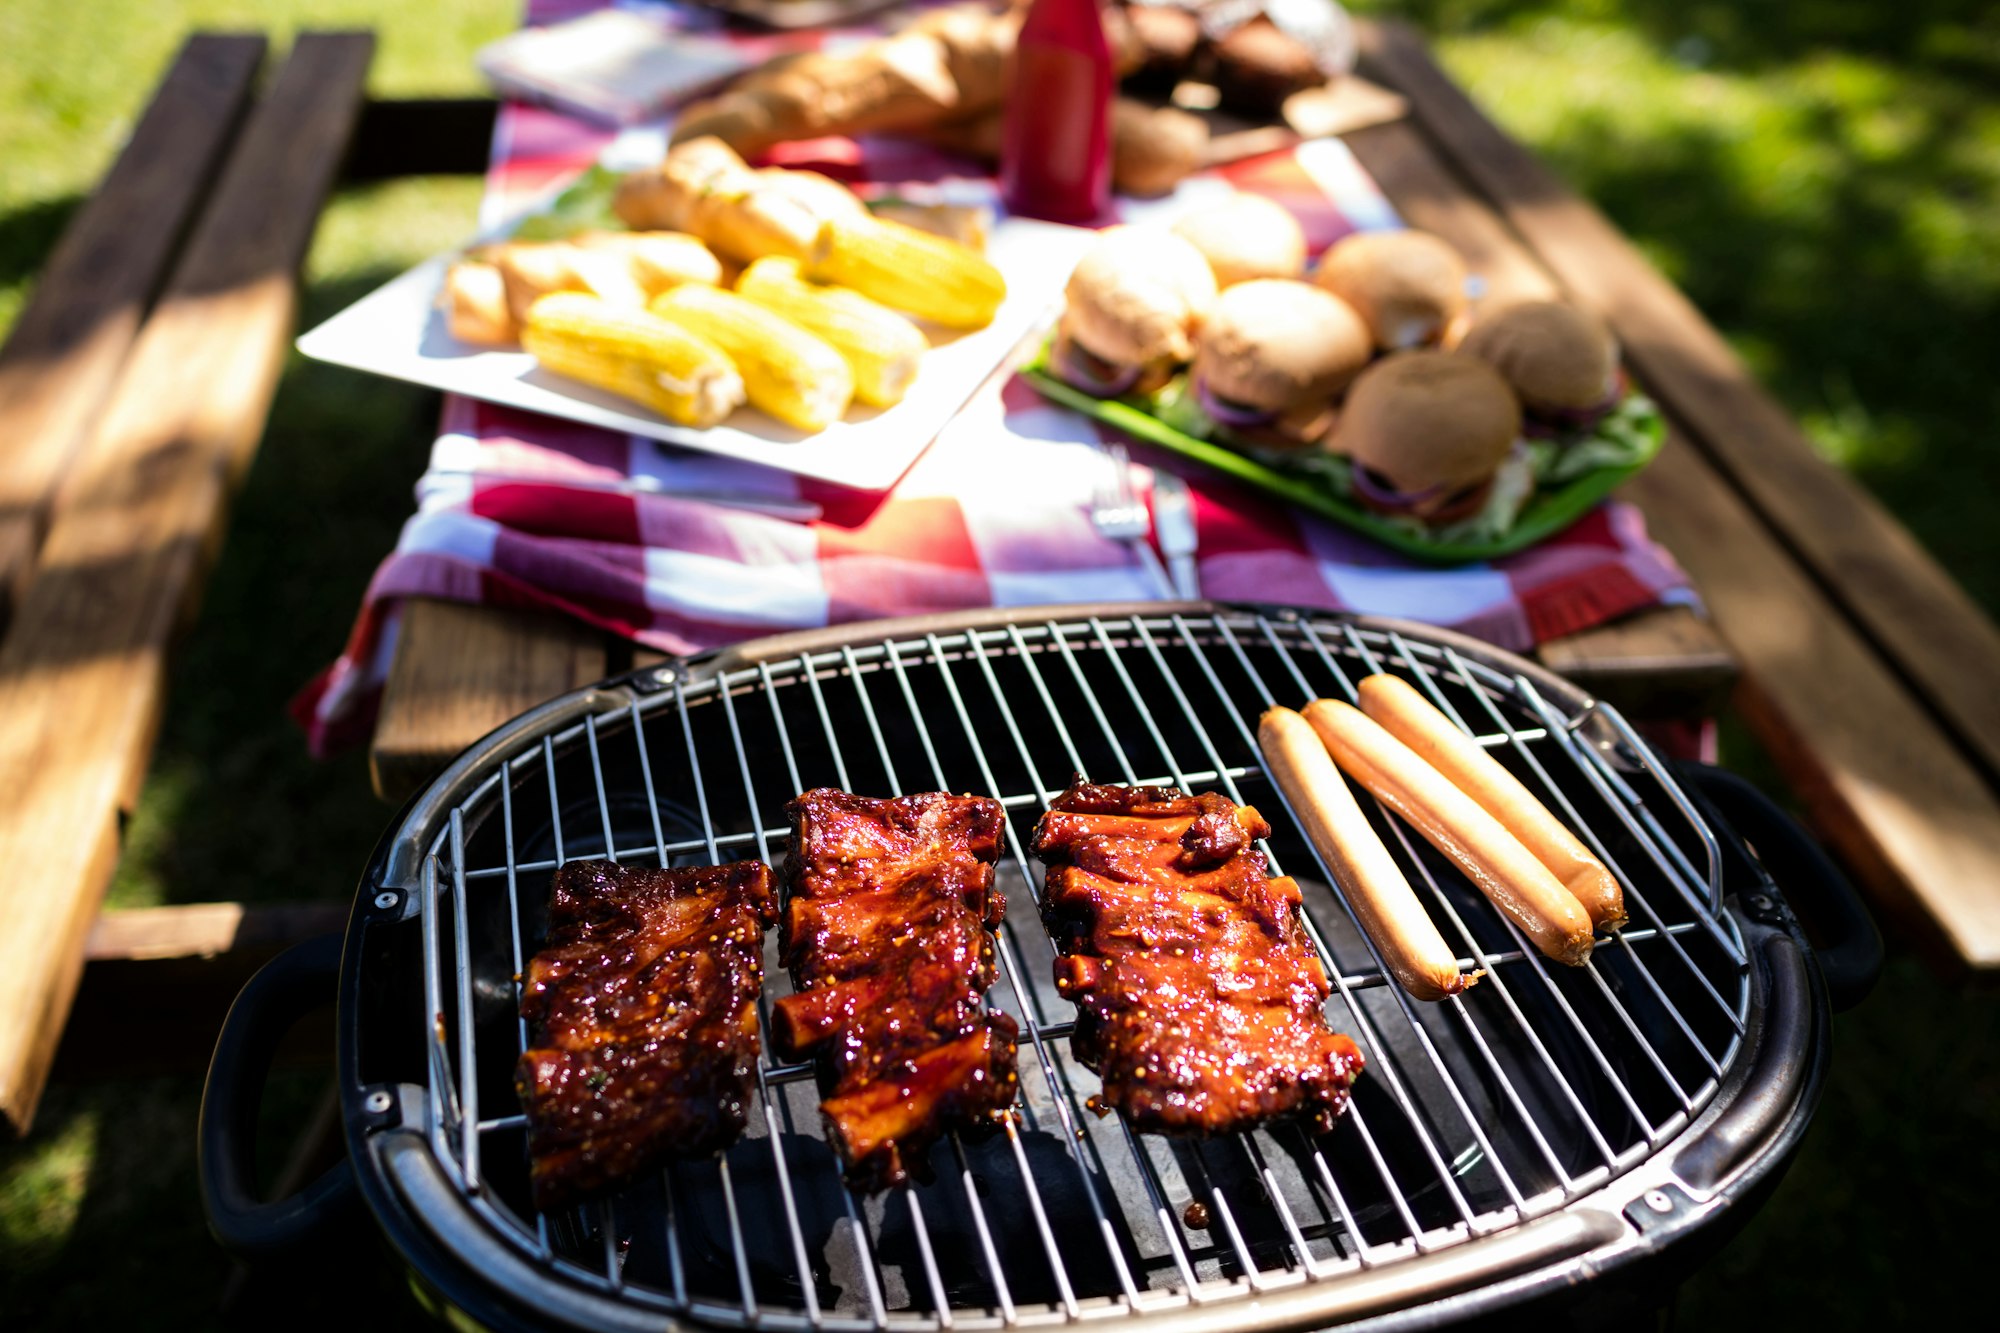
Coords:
pixel 133 392
pixel 1852 655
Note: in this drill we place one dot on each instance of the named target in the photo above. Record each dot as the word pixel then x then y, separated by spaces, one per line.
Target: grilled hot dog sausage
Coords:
pixel 1417 723
pixel 1494 859
pixel 1374 886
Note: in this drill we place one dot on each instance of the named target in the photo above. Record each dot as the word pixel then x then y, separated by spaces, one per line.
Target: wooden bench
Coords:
pixel 132 398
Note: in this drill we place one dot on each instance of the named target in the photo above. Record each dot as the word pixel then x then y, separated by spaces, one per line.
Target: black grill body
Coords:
pixel 1509 1148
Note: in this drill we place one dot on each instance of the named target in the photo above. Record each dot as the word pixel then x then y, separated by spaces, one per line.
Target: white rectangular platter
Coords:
pixel 398 331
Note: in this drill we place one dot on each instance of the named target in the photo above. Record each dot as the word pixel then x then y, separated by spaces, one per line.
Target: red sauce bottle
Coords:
pixel 1055 158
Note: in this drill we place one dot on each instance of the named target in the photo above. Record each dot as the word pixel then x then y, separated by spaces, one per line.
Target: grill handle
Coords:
pixel 1851 958
pixel 283 991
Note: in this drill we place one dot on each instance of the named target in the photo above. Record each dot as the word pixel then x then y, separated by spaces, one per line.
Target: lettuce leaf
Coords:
pixel 1620 439
pixel 1178 407
pixel 584 206
pixel 1625 437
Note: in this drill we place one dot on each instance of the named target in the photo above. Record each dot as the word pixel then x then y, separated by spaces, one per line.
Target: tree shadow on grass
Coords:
pixel 1958 38
pixel 104 1228
pixel 29 233
pixel 1872 336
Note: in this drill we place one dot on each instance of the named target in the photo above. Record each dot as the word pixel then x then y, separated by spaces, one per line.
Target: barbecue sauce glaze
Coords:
pixel 1198 993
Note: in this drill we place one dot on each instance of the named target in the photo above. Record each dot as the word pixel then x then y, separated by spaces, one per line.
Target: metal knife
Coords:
pixel 1173 524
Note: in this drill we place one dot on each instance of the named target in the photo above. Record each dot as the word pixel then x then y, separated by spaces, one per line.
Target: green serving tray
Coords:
pixel 1546 513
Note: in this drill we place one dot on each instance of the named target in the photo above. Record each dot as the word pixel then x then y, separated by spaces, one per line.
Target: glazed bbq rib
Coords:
pixel 642 1021
pixel 1198 994
pixel 885 933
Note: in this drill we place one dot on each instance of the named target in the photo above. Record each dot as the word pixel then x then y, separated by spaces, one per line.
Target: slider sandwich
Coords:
pixel 1246 236
pixel 1427 433
pixel 1132 311
pixel 1408 285
pixel 1273 355
pixel 1561 363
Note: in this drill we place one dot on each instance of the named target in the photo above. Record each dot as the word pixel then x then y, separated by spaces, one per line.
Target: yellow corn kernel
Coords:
pixel 929 276
pixel 882 348
pixel 787 372
pixel 663 365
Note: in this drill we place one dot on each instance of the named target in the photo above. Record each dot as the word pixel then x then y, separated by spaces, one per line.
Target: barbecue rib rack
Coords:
pixel 1546 1118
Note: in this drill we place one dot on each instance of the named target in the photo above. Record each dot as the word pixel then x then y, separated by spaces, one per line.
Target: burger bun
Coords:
pixel 1408 285
pixel 1245 238
pixel 1138 296
pixel 1555 357
pixel 1430 425
pixel 1273 344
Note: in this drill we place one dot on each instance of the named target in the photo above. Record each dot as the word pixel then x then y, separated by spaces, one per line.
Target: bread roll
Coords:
pixel 1154 148
pixel 1246 236
pixel 1408 285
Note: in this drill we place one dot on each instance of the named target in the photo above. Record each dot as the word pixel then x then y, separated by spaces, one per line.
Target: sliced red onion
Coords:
pixel 1070 365
pixel 1388 496
pixel 1227 414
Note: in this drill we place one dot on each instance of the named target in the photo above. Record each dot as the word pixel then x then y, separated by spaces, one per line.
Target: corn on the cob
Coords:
pixel 787 372
pixel 929 276
pixel 965 223
pixel 882 348
pixel 665 366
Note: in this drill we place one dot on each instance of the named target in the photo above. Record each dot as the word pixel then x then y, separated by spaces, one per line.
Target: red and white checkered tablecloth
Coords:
pixel 524 511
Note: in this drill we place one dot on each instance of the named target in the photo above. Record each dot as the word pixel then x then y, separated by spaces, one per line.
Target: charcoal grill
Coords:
pixel 1547 1125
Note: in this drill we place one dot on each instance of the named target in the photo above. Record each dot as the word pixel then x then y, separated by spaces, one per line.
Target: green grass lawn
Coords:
pixel 1823 179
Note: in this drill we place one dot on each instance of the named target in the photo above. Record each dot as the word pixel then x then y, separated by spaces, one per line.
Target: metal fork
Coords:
pixel 1117 512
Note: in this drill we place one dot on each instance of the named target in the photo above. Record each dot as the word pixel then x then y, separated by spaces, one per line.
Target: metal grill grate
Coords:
pixel 1476 1114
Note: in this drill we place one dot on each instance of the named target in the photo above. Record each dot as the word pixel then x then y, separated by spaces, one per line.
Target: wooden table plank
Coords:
pixel 1668 663
pixel 1885 783
pixel 82 669
pixel 197 954
pixel 89 299
pixel 459 672
pixel 1913 611
pixel 203 930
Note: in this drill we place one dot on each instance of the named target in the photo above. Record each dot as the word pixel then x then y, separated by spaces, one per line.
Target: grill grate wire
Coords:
pixel 1576 1078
